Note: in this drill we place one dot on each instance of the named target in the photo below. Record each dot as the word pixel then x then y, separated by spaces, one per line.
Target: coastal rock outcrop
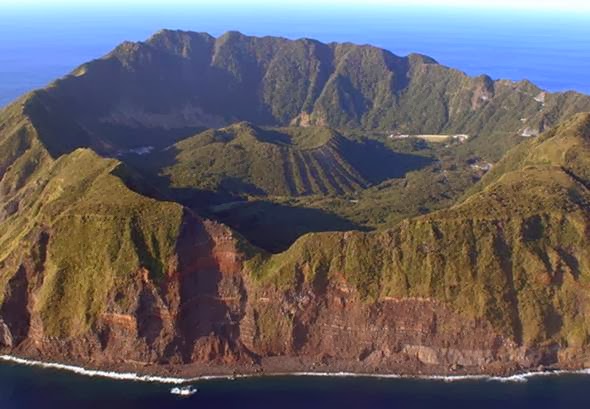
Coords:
pixel 5 335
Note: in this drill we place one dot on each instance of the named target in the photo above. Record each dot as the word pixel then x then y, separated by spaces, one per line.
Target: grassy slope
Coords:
pixel 245 159
pixel 566 146
pixel 515 253
pixel 444 178
pixel 100 232
pixel 199 80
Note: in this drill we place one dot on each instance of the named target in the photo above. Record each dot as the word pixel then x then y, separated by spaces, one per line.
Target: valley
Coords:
pixel 198 205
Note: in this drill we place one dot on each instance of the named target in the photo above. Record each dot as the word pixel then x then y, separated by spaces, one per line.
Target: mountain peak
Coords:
pixel 231 34
pixel 196 81
pixel 176 34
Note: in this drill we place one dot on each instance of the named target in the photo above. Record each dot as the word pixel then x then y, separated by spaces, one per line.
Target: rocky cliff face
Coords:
pixel 209 314
pixel 460 290
pixel 209 311
pixel 93 272
pixel 190 314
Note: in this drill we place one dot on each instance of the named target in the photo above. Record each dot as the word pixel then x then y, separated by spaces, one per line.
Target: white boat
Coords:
pixel 183 391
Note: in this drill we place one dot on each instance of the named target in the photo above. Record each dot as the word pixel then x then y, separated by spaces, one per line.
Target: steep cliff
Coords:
pixel 511 260
pixel 95 273
pixel 97 268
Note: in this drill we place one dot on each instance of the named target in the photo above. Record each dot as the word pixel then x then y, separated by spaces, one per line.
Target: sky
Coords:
pixel 536 5
pixel 546 41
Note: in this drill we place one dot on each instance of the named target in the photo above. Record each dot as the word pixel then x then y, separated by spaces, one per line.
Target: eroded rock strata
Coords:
pixel 98 270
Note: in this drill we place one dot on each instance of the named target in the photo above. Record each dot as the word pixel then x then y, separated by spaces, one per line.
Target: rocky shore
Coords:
pixel 174 374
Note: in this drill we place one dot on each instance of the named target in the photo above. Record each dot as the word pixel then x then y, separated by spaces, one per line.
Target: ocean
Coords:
pixel 24 387
pixel 41 43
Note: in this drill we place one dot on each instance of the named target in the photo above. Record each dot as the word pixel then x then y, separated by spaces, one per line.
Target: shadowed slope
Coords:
pixel 90 268
pixel 245 159
pixel 196 81
pixel 515 254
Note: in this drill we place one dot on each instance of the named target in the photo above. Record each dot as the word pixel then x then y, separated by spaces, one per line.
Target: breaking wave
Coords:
pixel 522 377
pixel 127 376
pixel 131 376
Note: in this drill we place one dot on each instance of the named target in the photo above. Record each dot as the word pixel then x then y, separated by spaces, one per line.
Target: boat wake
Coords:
pixel 184 391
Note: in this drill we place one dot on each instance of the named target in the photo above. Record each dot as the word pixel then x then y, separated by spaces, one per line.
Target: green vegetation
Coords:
pixel 99 232
pixel 247 160
pixel 197 81
pixel 515 253
pixel 326 109
pixel 565 146
pixel 274 222
pixel 243 159
pixel 319 163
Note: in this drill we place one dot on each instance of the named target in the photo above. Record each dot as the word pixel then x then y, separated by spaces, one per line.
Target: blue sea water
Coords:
pixel 41 43
pixel 28 387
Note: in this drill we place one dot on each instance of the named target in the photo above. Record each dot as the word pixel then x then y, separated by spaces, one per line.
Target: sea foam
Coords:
pixel 131 376
pixel 127 376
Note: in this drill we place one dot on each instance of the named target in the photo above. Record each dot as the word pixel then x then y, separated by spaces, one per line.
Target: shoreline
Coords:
pixel 171 380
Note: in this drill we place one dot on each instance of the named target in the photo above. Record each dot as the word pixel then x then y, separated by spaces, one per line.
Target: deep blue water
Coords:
pixel 38 44
pixel 26 387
